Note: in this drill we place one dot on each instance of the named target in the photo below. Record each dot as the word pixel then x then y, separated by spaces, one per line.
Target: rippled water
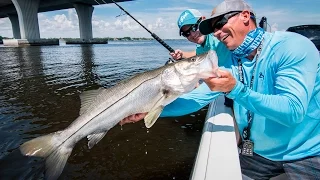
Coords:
pixel 39 94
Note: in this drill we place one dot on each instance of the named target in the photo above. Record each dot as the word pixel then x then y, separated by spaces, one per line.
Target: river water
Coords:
pixel 39 94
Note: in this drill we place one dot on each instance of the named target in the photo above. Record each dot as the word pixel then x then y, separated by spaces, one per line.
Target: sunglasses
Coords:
pixel 192 28
pixel 223 20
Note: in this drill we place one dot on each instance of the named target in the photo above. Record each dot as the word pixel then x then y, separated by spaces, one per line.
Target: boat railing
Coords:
pixel 217 156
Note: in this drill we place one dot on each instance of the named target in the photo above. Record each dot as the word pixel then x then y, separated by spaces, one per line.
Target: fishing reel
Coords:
pixel 170 61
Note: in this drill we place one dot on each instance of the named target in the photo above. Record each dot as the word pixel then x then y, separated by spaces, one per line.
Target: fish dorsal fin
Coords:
pixel 95 138
pixel 87 97
pixel 155 112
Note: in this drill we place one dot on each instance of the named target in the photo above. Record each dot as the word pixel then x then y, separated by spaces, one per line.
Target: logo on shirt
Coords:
pixel 261 75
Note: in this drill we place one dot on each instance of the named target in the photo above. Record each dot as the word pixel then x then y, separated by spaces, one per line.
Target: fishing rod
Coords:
pixel 152 34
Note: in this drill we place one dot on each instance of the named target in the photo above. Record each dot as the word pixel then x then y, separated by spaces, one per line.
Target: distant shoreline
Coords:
pixel 95 40
pixel 108 39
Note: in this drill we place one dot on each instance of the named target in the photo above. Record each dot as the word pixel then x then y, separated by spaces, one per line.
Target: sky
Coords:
pixel 160 17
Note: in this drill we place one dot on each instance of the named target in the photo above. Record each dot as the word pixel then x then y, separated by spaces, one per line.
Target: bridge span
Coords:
pixel 23 15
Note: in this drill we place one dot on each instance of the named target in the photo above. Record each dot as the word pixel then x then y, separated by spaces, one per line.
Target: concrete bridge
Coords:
pixel 24 18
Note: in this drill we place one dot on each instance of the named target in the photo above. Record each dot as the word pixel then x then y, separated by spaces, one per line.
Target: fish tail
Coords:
pixel 49 147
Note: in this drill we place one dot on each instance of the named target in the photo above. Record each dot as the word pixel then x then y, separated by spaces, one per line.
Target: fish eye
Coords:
pixel 193 59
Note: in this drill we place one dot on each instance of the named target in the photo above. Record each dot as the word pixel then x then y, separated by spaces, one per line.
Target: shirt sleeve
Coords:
pixel 190 102
pixel 295 71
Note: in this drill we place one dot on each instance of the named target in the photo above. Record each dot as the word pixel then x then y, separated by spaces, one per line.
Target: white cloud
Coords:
pixel 126 24
pixel 100 24
pixel 161 21
pixel 5 28
pixel 59 25
pixel 281 19
pixel 72 15
pixel 65 24
pixel 210 3
pixel 274 27
pixel 62 22
pixel 160 24
pixel 180 9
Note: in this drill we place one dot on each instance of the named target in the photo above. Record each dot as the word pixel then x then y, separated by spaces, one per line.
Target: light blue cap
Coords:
pixel 187 17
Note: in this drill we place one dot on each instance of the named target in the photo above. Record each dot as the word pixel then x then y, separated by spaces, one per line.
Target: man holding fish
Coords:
pixel 274 80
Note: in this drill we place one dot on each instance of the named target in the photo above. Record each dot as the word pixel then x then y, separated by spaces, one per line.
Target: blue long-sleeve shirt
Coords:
pixel 202 95
pixel 285 98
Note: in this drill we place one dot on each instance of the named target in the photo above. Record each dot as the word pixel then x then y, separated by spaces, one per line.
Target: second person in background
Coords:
pixel 188 24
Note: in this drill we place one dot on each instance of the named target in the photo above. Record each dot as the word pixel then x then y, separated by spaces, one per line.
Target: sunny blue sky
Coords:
pixel 160 17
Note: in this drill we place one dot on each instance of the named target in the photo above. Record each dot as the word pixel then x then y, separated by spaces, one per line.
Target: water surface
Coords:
pixel 39 94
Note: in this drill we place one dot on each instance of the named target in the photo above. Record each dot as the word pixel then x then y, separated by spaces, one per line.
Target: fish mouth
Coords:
pixel 209 65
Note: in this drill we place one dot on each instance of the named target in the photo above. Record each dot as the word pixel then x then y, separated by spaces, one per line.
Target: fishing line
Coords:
pixel 121 14
pixel 120 9
pixel 97 2
pixel 151 33
pixel 128 25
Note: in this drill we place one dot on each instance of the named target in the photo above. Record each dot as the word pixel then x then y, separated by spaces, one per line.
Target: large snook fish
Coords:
pixel 102 109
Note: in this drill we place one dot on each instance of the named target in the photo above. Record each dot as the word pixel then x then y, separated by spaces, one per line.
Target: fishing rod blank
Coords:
pixel 152 34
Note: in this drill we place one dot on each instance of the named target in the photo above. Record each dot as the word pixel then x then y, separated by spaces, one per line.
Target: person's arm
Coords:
pixel 295 70
pixel 187 54
pixel 179 54
pixel 190 102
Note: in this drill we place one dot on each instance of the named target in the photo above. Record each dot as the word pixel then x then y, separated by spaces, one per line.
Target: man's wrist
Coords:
pixel 235 91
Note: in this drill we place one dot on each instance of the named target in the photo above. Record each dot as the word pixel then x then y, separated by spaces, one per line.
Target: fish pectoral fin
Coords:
pixel 87 97
pixel 95 138
pixel 152 116
pixel 155 111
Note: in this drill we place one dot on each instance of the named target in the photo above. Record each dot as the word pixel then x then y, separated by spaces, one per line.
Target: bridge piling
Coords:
pixel 28 18
pixel 85 20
